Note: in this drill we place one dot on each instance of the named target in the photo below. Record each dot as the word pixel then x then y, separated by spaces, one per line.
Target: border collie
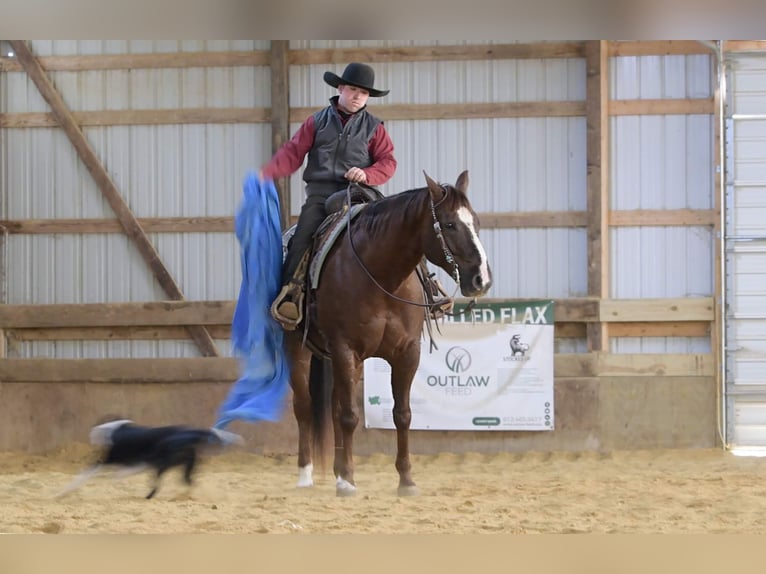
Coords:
pixel 135 448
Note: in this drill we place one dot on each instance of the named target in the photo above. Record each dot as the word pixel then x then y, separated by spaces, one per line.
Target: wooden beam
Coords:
pixel 170 116
pixel 657 48
pixel 601 364
pixel 662 217
pixel 490 110
pixel 520 51
pixel 643 310
pixel 597 181
pixel 182 313
pixel 209 224
pixel 170 313
pixel 280 118
pixel 562 330
pixel 154 333
pixel 680 106
pixel 569 331
pixel 144 61
pixel 223 369
pixel 533 219
pixel 647 329
pixel 744 46
pixel 174 116
pixel 132 228
pixel 145 370
pixel 496 220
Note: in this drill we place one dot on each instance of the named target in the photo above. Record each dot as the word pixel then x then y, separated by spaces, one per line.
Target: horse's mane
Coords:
pixel 390 211
pixel 394 210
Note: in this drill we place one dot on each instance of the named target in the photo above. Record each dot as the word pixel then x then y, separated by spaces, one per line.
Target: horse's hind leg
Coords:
pixel 300 365
pixel 402 372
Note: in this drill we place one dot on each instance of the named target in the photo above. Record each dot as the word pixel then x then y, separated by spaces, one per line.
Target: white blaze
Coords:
pixel 466 217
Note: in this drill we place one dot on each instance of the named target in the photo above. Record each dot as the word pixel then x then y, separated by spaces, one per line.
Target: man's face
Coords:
pixel 352 99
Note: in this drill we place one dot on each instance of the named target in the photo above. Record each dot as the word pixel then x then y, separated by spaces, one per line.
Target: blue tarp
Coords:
pixel 260 392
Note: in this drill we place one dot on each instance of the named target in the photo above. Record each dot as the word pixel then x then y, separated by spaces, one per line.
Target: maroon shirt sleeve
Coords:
pixel 289 158
pixel 382 155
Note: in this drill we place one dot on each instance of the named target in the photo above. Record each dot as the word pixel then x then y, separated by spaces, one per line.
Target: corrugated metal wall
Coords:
pixel 746 250
pixel 515 164
pixel 662 162
pixel 167 170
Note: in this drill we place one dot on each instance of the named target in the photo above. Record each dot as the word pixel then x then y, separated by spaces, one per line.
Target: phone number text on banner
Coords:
pixel 493 371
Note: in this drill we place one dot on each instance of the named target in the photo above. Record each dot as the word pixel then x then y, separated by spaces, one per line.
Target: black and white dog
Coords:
pixel 135 448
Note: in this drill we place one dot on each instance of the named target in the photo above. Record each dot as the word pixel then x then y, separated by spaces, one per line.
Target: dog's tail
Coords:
pixel 228 438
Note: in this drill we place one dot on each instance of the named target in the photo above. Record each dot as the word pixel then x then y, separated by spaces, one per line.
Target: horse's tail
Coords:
pixel 320 389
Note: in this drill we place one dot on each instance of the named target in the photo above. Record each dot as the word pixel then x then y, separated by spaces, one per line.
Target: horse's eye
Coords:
pixel 449 225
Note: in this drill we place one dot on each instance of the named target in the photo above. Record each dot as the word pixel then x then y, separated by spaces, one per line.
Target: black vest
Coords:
pixel 338 148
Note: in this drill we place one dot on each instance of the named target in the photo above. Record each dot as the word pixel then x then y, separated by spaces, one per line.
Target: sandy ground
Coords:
pixel 663 491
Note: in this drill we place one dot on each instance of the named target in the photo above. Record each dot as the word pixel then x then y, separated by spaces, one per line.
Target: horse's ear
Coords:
pixel 436 190
pixel 462 182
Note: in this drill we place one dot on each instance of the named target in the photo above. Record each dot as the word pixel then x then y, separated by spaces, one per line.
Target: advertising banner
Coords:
pixel 493 370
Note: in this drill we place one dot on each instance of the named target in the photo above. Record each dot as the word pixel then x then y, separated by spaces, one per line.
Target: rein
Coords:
pixel 439 235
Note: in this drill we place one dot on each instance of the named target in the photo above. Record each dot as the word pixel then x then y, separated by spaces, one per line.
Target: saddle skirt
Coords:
pixel 325 238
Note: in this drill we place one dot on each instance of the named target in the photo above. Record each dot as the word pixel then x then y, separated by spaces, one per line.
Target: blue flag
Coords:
pixel 256 337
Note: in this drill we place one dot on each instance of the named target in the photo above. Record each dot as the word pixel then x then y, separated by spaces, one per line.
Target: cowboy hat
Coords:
pixel 356 74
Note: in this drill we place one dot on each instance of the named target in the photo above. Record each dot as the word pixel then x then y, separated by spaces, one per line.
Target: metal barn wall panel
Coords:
pixel 514 164
pixel 745 249
pixel 161 171
pixel 661 162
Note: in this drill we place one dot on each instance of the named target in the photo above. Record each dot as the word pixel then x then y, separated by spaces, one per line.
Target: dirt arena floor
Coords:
pixel 663 491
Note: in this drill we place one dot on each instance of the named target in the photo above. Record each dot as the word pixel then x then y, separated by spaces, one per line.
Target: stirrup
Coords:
pixel 287 308
pixel 439 301
pixel 288 312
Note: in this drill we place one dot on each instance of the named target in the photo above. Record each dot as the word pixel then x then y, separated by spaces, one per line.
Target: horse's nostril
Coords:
pixel 478 282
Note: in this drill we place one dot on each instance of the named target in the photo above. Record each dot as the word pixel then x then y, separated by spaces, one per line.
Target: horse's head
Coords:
pixel 455 245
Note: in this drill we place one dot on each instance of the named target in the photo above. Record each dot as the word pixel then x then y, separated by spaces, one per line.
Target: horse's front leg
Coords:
pixel 346 372
pixel 300 364
pixel 403 369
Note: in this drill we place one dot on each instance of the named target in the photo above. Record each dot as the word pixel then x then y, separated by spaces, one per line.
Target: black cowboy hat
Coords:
pixel 356 74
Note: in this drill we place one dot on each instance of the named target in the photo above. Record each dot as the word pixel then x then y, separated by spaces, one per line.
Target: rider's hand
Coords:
pixel 356 175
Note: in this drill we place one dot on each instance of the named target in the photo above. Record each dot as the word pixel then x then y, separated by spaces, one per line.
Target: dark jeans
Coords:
pixel 311 217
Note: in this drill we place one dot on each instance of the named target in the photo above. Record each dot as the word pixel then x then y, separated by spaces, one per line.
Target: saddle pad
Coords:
pixel 315 269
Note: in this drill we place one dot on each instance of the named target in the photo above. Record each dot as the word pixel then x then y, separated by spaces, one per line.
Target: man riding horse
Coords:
pixel 345 144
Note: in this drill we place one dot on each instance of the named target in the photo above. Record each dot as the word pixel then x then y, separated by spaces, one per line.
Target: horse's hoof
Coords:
pixel 305 476
pixel 411 490
pixel 344 487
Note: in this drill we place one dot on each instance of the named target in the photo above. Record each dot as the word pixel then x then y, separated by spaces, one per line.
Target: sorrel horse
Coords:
pixel 353 318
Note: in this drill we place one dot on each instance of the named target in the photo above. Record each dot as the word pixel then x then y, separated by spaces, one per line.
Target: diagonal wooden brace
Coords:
pixel 132 228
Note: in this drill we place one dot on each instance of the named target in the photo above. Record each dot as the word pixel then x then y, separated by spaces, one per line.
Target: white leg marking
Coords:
pixel 344 487
pixel 305 476
pixel 81 479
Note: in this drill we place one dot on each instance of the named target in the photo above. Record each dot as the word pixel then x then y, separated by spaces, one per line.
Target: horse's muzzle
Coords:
pixel 479 285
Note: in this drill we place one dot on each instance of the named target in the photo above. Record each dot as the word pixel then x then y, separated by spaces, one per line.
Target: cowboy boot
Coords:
pixel 287 308
pixel 284 305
